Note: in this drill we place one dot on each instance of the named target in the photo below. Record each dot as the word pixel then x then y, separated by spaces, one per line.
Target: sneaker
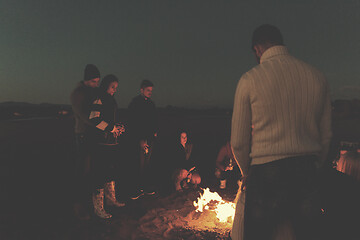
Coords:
pixel 136 194
pixel 222 184
pixel 149 192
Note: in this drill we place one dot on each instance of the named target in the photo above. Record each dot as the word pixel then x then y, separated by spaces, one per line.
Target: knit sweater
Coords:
pixel 281 109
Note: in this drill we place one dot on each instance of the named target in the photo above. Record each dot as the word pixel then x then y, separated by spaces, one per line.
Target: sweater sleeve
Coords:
pixel 96 116
pixel 325 127
pixel 241 125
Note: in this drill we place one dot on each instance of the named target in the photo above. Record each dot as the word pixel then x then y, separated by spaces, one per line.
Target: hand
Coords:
pixel 118 130
pixel 121 128
pixel 144 145
pixel 243 183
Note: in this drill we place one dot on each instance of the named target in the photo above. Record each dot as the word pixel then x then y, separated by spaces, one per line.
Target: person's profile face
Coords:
pixel 93 83
pixel 183 138
pixel 112 88
pixel 146 92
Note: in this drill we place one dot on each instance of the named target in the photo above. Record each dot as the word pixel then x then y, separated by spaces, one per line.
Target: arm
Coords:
pixel 96 117
pixel 325 128
pixel 80 106
pixel 220 158
pixel 241 125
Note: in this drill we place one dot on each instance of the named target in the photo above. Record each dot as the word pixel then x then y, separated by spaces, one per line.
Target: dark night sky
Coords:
pixel 194 51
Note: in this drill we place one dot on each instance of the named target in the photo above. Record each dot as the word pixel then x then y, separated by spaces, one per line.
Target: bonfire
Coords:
pixel 212 201
pixel 180 217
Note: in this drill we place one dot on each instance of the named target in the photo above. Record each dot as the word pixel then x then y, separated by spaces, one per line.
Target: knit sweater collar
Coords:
pixel 274 51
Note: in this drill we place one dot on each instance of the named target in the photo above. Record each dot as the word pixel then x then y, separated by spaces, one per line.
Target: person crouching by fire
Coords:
pixel 104 116
pixel 186 173
pixel 226 166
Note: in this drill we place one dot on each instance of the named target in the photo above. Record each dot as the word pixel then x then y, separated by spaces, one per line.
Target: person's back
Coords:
pixel 287 100
pixel 281 130
pixel 81 99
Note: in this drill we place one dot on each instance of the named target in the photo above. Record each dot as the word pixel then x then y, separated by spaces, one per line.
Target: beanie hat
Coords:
pixel 91 72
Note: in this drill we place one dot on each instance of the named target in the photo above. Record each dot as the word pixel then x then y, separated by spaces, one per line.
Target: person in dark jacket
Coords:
pixel 81 99
pixel 142 128
pixel 104 116
pixel 185 168
pixel 226 166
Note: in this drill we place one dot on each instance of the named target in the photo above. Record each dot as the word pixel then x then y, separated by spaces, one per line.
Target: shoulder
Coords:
pixel 250 75
pixel 312 68
pixel 245 82
pixel 151 102
pixel 136 100
pixel 133 102
pixel 189 146
pixel 81 92
pixel 310 71
pixel 78 89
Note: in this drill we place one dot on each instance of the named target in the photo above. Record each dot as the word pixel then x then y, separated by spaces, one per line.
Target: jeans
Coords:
pixel 281 191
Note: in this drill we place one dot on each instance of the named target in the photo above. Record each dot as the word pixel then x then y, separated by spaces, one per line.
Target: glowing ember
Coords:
pixel 213 202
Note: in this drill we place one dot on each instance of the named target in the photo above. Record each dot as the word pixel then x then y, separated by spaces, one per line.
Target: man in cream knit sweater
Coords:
pixel 281 130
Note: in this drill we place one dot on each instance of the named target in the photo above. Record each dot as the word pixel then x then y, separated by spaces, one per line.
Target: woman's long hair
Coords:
pixel 106 81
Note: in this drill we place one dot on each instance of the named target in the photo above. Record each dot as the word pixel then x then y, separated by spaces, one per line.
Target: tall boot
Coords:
pixel 98 201
pixel 110 195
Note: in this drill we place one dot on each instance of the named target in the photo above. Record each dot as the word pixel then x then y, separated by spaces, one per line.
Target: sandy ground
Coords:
pixel 36 159
pixel 170 216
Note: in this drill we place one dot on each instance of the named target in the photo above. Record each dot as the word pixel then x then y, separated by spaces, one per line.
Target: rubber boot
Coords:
pixel 98 201
pixel 110 195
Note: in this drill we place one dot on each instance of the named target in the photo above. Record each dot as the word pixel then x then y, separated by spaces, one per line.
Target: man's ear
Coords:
pixel 258 49
pixel 141 90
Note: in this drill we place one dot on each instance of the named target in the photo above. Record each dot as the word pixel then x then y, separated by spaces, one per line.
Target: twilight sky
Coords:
pixel 194 51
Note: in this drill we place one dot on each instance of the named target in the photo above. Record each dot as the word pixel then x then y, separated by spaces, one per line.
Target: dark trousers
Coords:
pixel 105 165
pixel 82 178
pixel 280 191
pixel 143 167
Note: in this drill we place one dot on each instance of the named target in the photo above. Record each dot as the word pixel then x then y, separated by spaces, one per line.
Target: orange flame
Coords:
pixel 224 210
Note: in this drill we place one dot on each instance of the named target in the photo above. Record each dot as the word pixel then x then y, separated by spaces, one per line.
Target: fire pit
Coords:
pixel 189 215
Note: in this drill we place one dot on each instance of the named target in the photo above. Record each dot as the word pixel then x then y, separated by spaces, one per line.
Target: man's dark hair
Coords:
pixel 146 83
pixel 266 34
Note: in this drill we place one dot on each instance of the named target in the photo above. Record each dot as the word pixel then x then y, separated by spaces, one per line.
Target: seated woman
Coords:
pixel 186 172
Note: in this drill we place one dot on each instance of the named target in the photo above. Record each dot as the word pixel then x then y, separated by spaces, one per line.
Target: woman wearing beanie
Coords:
pixel 103 115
